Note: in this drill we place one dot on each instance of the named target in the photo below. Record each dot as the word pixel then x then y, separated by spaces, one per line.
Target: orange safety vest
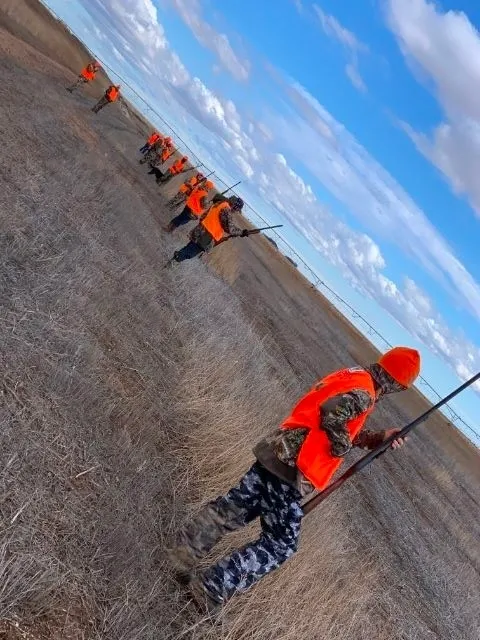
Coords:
pixel 112 93
pixel 166 153
pixel 87 74
pixel 315 460
pixel 187 186
pixel 176 167
pixel 153 138
pixel 194 201
pixel 211 222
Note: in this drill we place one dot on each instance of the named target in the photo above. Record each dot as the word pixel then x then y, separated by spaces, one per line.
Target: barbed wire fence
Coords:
pixel 133 96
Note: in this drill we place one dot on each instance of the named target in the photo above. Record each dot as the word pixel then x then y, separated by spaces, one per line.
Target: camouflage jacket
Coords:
pixel 279 450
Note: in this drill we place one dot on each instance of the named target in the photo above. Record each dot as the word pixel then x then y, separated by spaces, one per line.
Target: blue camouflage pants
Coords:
pixel 258 494
pixel 184 217
pixel 189 251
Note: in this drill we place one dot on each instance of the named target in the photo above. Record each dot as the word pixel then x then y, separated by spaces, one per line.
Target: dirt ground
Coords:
pixel 131 393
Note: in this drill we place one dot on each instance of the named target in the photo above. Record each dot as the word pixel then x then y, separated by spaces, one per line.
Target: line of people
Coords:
pixel 215 222
pixel 87 75
pixel 214 216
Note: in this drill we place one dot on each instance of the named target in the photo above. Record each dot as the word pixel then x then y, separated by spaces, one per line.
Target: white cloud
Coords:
pixel 356 179
pixel 355 78
pixel 444 48
pixel 264 131
pixel 336 31
pixel 191 13
pixel 243 165
pixel 117 54
pixel 299 6
pixel 362 263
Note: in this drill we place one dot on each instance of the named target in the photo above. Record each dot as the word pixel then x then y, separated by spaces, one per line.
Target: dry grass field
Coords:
pixel 130 393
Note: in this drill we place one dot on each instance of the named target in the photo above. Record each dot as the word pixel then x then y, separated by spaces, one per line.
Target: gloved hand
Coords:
pixel 245 233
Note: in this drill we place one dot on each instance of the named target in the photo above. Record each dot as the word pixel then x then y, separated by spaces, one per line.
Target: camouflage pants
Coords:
pixel 152 157
pixel 100 104
pixel 258 494
pixel 80 81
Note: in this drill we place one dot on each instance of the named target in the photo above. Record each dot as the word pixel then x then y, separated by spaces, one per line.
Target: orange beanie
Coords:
pixel 403 364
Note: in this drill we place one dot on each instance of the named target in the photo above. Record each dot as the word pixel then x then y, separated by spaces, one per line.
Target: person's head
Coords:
pixel 200 176
pixel 208 184
pixel 184 159
pixel 396 370
pixel 168 140
pixel 235 203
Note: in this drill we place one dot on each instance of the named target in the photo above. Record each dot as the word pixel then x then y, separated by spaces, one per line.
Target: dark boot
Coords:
pixel 201 597
pixel 183 563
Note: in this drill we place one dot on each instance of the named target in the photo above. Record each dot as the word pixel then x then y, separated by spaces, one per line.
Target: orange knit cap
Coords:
pixel 403 364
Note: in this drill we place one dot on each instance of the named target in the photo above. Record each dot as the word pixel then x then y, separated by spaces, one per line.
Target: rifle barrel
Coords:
pixel 275 226
pixel 232 187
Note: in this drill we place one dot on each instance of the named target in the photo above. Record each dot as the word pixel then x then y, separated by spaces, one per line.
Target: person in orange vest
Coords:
pixel 185 190
pixel 167 151
pixel 195 206
pixel 112 94
pixel 158 155
pixel 300 456
pixel 177 167
pixel 86 75
pixel 215 227
pixel 155 137
pixel 153 154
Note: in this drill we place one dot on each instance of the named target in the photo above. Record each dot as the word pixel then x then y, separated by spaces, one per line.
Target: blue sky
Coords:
pixel 356 125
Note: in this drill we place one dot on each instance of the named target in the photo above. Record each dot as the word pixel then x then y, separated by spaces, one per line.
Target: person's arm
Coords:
pixel 228 225
pixel 335 414
pixel 203 202
pixel 368 439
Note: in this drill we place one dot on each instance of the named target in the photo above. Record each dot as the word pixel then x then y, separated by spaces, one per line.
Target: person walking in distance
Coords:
pixel 87 74
pixel 111 95
pixel 167 151
pixel 155 137
pixel 160 152
pixel 300 456
pixel 185 190
pixel 215 227
pixel 176 169
pixel 195 206
pixel 152 154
